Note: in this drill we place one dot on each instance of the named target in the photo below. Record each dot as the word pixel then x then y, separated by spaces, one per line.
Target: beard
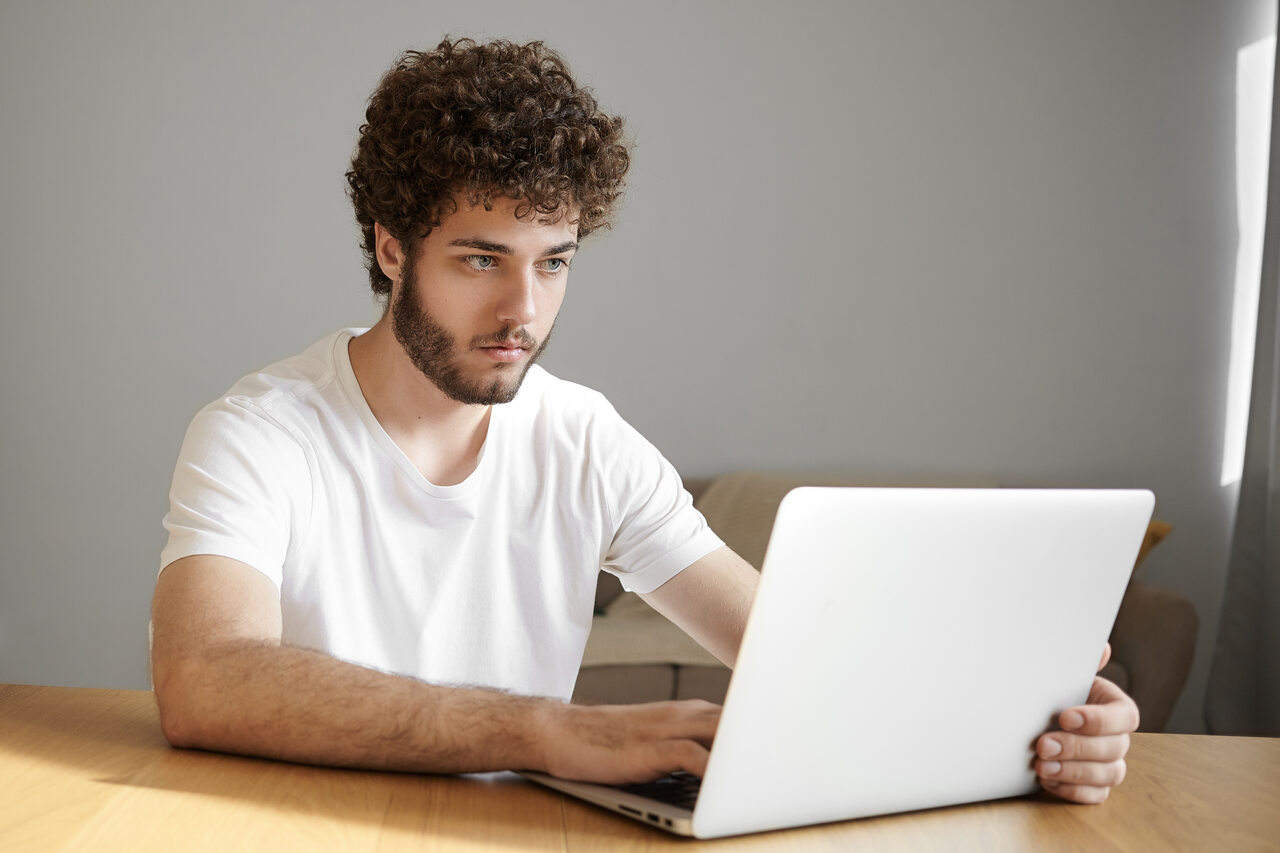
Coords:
pixel 435 352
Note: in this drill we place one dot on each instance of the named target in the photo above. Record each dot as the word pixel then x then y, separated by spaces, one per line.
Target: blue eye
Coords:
pixel 480 262
pixel 554 265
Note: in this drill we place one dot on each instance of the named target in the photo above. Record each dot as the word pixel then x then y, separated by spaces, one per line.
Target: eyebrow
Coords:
pixel 503 249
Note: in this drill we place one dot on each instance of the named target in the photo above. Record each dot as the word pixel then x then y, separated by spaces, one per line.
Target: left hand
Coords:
pixel 1082 762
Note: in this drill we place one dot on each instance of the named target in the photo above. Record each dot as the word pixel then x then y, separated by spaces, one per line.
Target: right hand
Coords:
pixel 623 744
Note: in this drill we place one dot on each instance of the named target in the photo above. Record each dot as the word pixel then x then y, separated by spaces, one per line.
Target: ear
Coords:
pixel 388 252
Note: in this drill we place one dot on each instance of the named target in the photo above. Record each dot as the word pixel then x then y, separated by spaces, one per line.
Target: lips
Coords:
pixel 506 351
pixel 505 340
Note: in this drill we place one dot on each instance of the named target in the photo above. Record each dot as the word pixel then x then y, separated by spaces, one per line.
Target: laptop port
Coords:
pixel 653 817
pixel 630 810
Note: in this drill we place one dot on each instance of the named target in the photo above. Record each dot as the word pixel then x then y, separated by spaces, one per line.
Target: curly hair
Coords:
pixel 476 122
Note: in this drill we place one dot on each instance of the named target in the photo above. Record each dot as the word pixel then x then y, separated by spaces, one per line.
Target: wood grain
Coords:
pixel 88 770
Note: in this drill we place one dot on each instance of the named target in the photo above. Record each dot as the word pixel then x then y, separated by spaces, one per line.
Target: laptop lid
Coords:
pixel 907 646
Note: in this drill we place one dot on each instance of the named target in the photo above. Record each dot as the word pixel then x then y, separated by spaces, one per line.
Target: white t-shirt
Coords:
pixel 489 582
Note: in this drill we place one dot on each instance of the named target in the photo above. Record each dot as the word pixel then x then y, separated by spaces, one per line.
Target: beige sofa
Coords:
pixel 635 655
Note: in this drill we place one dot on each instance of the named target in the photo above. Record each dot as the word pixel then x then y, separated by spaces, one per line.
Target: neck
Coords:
pixel 441 436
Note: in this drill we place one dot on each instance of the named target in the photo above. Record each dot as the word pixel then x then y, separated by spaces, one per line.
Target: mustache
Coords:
pixel 505 335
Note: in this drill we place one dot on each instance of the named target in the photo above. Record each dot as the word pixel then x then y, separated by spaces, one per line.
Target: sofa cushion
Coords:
pixel 740 507
pixel 625 685
pixel 610 685
pixel 626 633
pixel 632 632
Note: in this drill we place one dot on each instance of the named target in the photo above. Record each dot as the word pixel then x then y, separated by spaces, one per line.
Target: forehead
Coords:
pixel 508 217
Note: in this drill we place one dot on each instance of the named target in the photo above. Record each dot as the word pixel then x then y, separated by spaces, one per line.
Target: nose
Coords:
pixel 517 304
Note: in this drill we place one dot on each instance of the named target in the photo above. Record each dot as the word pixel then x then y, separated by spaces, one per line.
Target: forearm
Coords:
pixel 710 601
pixel 262 698
pixel 224 682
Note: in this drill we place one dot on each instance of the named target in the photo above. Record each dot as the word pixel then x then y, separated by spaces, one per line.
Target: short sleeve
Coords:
pixel 241 489
pixel 657 530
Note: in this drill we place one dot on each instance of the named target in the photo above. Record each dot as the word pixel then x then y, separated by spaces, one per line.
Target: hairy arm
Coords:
pixel 225 682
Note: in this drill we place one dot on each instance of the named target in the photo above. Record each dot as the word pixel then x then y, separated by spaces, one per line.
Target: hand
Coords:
pixel 621 744
pixel 1083 761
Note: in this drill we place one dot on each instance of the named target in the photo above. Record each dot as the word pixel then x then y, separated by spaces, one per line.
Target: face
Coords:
pixel 475 307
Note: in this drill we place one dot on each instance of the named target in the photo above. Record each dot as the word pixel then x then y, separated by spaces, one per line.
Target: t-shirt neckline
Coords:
pixel 351 386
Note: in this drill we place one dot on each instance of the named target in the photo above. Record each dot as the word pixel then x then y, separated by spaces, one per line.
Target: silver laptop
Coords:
pixel 905 650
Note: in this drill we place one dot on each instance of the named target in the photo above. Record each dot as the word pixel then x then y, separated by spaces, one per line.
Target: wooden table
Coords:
pixel 88 770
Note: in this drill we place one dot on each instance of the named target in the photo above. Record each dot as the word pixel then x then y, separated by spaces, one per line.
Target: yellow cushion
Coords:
pixel 1156 531
pixel 740 507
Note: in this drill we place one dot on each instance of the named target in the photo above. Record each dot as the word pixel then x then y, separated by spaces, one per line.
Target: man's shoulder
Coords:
pixel 278 397
pixel 282 383
pixel 572 415
pixel 547 394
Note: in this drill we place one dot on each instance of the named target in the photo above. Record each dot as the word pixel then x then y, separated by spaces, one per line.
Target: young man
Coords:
pixel 383 551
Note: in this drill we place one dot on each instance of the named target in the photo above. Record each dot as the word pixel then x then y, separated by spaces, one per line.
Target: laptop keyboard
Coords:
pixel 675 789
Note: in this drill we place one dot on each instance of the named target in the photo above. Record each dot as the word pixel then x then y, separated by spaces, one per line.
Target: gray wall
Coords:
pixel 991 238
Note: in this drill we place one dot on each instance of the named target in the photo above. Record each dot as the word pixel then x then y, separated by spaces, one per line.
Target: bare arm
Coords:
pixel 710 601
pixel 225 682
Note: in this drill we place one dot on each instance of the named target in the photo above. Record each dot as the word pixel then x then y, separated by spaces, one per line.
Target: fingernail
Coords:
pixel 1049 783
pixel 1050 768
pixel 1072 720
pixel 1049 748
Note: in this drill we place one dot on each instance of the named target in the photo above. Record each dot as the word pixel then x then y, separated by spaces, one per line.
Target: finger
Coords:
pixel 1104 690
pixel 1109 711
pixel 686 755
pixel 1063 746
pixel 1106 656
pixel 1077 793
pixel 676 709
pixel 644 763
pixel 1089 773
pixel 693 719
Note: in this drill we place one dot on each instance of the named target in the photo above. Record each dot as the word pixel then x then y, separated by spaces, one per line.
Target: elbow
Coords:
pixel 178 704
pixel 199 708
pixel 174 727
pixel 174 705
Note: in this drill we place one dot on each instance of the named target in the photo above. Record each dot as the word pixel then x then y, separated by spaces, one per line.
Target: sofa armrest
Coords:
pixel 1154 639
